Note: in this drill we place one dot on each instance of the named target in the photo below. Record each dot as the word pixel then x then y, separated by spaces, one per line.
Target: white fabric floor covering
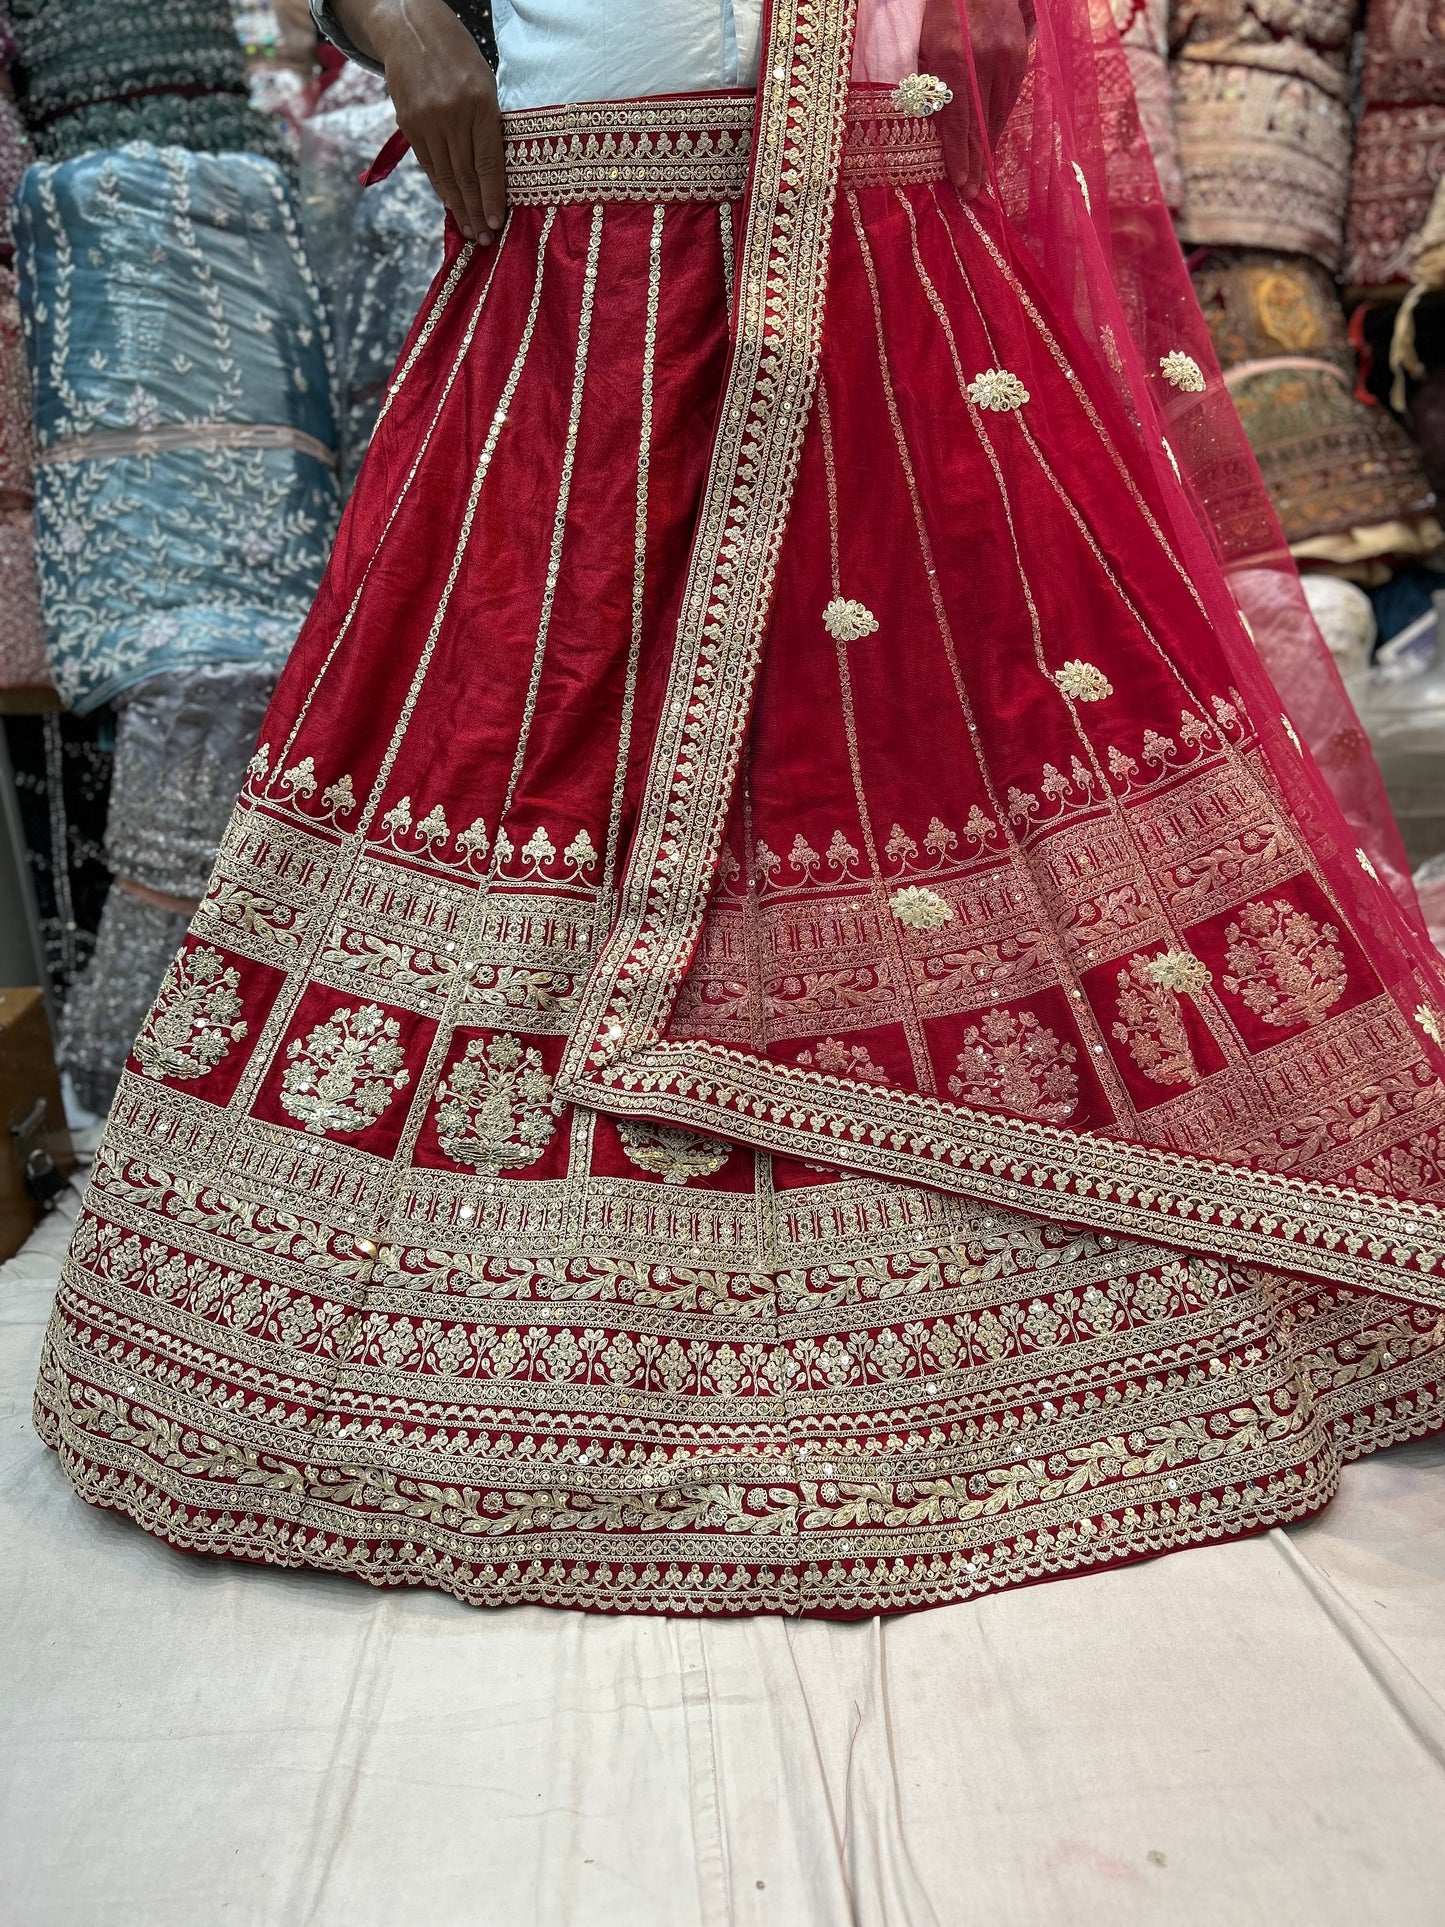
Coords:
pixel 1242 1734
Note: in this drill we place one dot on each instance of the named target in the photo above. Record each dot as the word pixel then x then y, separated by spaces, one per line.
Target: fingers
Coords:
pixel 489 165
pixel 472 220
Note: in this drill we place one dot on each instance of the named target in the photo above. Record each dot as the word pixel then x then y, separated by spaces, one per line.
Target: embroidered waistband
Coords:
pixel 113 444
pixel 691 148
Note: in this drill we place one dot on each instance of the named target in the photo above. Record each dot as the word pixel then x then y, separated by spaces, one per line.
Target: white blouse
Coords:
pixel 552 51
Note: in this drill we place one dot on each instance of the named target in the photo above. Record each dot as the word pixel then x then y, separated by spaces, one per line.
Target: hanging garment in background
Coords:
pixel 1400 145
pixel 182 740
pixel 96 75
pixel 375 255
pixel 1262 101
pixel 185 462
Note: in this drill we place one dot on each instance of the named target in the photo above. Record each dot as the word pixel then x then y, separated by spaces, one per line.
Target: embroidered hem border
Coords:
pixel 279 1522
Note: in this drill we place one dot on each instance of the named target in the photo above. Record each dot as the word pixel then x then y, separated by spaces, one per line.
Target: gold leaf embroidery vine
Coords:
pixel 495 1109
pixel 1016 1063
pixel 195 1019
pixel 345 1073
pixel 1150 1025
pixel 1284 965
pixel 671 1154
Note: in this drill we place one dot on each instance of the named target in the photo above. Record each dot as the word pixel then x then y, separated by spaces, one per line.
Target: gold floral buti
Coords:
pixel 921 94
pixel 1362 858
pixel 920 909
pixel 1430 1022
pixel 849 621
pixel 999 389
pixel 495 1109
pixel 342 1076
pixel 195 1019
pixel 672 1154
pixel 1083 682
pixel 1179 970
pixel 839 1059
pixel 1286 967
pixel 1182 371
pixel 1014 1062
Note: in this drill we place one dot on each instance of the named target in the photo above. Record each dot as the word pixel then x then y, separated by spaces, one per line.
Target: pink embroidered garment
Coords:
pixel 784 1021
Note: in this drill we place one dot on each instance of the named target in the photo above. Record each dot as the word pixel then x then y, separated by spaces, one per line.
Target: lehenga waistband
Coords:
pixel 692 148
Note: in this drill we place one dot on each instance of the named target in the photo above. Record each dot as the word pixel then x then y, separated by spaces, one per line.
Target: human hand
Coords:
pixel 998 34
pixel 445 97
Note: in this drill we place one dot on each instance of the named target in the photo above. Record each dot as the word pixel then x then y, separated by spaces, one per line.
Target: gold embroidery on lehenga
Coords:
pixel 1085 682
pixel 1179 970
pixel 921 94
pixel 1016 1063
pixel 1362 858
pixel 1284 965
pixel 195 1019
pixel 919 908
pixel 1182 371
pixel 999 389
pixel 343 1075
pixel 1431 1023
pixel 838 1059
pixel 1083 180
pixel 849 621
pixel 495 1109
pixel 1150 1025
pixel 671 1154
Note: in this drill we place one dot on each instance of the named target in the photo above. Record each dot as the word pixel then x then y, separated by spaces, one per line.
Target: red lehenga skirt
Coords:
pixel 391 1265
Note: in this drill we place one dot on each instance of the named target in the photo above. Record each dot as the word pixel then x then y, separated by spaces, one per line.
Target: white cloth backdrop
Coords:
pixel 1242 1734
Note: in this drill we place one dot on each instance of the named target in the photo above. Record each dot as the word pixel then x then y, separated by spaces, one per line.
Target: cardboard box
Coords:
pixel 35 1150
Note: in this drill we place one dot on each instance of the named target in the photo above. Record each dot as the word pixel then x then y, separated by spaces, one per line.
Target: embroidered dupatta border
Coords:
pixel 615 1060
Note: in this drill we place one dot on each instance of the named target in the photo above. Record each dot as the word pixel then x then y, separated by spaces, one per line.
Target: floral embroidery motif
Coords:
pixel 1429 1022
pixel 1182 371
pixel 1150 1025
pixel 195 1019
pixel 920 909
pixel 1015 1063
pixel 1083 180
pixel 921 94
pixel 997 388
pixel 838 1059
pixel 1362 858
pixel 1083 682
pixel 671 1154
pixel 495 1107
pixel 1178 970
pixel 1285 965
pixel 343 1076
pixel 849 621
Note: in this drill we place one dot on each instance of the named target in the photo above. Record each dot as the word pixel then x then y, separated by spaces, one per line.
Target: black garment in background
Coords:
pixel 62 769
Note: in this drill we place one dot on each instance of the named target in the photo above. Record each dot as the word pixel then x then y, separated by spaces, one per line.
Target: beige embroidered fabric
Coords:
pixel 1251 1733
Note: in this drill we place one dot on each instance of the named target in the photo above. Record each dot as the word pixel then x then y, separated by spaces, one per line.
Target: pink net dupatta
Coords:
pixel 977 846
